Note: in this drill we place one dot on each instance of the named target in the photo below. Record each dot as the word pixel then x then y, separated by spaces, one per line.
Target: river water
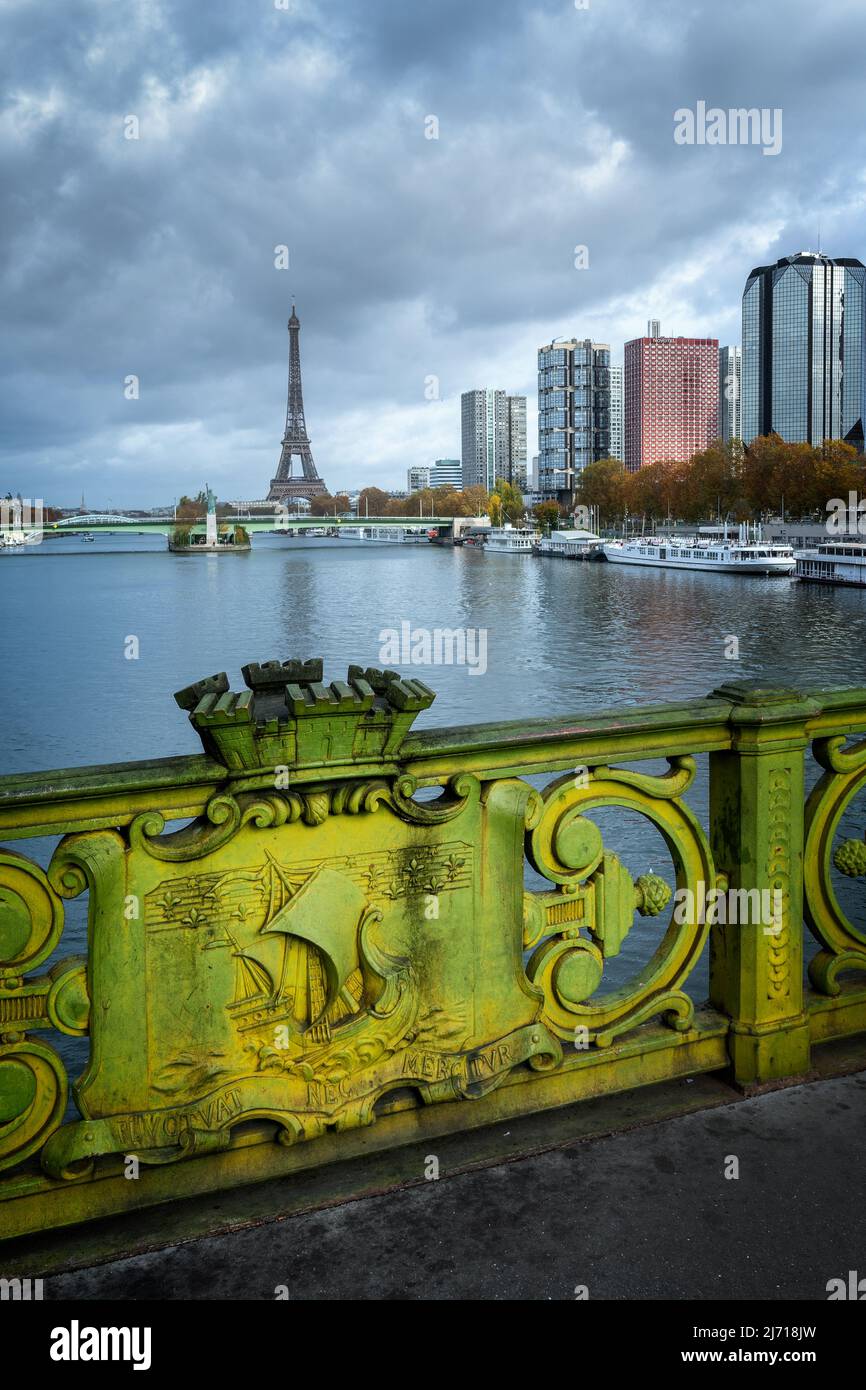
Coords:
pixel 561 637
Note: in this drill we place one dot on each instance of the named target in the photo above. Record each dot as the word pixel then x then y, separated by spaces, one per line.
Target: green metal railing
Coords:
pixel 324 954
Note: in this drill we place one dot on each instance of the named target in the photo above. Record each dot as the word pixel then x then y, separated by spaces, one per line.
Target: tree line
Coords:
pixel 767 478
pixel 727 479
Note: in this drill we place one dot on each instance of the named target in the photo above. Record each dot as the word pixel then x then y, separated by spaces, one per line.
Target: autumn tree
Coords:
pixel 401 506
pixel 654 491
pixel 839 470
pixel 763 471
pixel 372 502
pixel 505 503
pixel 475 498
pixel 326 505
pixel 713 484
pixel 603 485
pixel 447 501
pixel 547 515
pixel 189 509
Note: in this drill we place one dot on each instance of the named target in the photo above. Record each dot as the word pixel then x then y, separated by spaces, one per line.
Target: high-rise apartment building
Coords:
pixel 804 350
pixel 493 428
pixel 671 397
pixel 446 473
pixel 418 477
pixel 730 370
pixel 617 414
pixel 573 413
pixel 517 442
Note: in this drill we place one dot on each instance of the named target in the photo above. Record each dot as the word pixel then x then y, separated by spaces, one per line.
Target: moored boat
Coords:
pixel 742 556
pixel 572 545
pixel 371 534
pixel 510 540
pixel 833 562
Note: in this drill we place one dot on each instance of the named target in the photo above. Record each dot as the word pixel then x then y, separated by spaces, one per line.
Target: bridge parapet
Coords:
pixel 340 938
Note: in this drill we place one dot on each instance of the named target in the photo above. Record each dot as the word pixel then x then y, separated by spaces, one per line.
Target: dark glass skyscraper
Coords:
pixel 804 350
pixel 573 413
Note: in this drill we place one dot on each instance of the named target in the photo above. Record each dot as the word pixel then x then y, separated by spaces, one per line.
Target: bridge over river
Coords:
pixel 110 522
pixel 331 956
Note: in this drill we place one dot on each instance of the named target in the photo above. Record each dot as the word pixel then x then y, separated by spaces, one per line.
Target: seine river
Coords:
pixel 561 637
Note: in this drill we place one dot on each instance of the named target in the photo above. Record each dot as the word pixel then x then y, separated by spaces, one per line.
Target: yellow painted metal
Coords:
pixel 330 949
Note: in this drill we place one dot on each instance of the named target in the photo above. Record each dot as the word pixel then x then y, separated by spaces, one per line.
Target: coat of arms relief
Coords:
pixel 312 943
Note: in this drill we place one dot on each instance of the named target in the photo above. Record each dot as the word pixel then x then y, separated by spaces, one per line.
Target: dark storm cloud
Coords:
pixel 409 257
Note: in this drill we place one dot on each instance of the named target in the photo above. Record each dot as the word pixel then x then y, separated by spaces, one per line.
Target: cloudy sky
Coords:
pixel 410 257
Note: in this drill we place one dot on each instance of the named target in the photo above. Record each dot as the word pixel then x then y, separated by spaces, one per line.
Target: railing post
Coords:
pixel 756 830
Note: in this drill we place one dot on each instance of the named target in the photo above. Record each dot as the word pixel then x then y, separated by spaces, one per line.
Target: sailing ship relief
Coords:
pixel 305 946
pixel 273 976
pixel 311 951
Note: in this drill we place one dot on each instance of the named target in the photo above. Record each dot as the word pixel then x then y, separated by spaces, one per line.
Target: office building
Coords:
pixel 447 473
pixel 804 331
pixel 671 397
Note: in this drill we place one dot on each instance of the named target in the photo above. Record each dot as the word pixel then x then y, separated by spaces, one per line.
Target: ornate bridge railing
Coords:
pixel 326 952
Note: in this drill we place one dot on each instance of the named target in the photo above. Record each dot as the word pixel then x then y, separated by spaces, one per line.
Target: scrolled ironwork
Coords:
pixel 843 942
pixel 567 848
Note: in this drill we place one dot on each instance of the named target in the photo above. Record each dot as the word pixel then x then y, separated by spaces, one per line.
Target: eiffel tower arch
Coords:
pixel 306 482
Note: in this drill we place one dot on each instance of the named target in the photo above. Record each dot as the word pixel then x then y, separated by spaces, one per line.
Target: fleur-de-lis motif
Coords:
pixel 375 875
pixel 452 866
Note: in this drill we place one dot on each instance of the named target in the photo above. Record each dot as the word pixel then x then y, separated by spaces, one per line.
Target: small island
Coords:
pixel 190 539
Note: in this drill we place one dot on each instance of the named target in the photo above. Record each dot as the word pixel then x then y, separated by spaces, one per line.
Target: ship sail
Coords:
pixel 252 981
pixel 324 913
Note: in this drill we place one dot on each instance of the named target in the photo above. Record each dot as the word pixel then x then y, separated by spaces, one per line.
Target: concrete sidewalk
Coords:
pixel 647 1213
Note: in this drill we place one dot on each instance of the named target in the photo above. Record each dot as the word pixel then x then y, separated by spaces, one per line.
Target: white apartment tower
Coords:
pixel 730 372
pixel 617 414
pixel 493 426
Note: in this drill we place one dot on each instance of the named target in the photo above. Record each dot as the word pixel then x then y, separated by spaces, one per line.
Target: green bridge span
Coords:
pixel 131 524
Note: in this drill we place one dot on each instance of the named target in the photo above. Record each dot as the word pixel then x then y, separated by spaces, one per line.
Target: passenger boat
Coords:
pixel 510 540
pixel 572 545
pixel 371 534
pixel 833 562
pixel 742 556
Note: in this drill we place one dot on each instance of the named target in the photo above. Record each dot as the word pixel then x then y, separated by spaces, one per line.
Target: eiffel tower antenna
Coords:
pixel 306 483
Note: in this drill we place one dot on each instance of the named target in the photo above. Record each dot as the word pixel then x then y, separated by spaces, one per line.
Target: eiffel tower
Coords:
pixel 307 483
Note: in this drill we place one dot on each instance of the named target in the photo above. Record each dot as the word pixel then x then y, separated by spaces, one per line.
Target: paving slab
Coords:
pixel 644 1214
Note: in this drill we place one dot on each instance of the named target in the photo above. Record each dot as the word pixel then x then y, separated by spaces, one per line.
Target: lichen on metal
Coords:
pixel 328 945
